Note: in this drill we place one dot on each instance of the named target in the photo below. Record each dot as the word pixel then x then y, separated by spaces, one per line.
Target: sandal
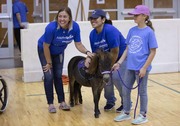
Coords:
pixel 64 106
pixel 52 109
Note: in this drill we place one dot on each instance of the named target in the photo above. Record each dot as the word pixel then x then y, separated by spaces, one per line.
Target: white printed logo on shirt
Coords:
pixel 135 44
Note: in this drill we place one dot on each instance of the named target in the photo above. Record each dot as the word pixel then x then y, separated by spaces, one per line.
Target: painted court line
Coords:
pixel 164 86
pixel 43 94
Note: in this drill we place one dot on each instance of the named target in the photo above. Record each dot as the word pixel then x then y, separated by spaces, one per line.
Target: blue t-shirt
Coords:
pixel 139 41
pixel 110 37
pixel 59 38
pixel 19 7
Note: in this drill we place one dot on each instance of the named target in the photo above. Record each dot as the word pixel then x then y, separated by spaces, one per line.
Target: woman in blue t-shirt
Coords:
pixel 107 37
pixel 58 34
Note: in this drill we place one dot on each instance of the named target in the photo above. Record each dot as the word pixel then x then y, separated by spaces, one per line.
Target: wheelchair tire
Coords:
pixel 3 95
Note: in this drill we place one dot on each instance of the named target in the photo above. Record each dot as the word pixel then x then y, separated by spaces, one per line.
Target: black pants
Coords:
pixel 17 34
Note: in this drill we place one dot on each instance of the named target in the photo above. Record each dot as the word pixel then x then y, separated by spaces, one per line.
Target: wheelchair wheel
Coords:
pixel 3 95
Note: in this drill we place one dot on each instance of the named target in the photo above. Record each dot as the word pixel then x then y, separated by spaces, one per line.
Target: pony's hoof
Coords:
pixel 80 101
pixel 71 104
pixel 96 115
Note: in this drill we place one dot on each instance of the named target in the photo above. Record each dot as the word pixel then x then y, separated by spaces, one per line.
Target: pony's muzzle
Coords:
pixel 106 78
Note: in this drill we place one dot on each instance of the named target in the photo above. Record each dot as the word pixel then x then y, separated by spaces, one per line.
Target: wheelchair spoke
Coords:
pixel 1 89
pixel 2 101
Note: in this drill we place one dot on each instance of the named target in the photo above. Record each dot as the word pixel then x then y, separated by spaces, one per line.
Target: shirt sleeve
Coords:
pixel 112 37
pixel 49 34
pixel 77 36
pixel 15 9
pixel 91 43
pixel 128 37
pixel 152 40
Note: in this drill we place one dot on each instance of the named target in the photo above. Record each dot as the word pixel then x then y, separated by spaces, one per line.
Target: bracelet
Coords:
pixel 49 64
pixel 86 52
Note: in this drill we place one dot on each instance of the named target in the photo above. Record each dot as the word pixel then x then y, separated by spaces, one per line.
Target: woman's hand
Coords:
pixel 22 26
pixel 89 54
pixel 87 61
pixel 88 58
pixel 47 67
pixel 115 66
pixel 142 72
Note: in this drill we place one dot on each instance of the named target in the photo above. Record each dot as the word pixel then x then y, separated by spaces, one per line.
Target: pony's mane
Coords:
pixel 100 54
pixel 93 65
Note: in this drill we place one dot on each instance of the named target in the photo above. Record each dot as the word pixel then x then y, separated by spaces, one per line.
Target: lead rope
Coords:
pixel 137 99
pixel 139 81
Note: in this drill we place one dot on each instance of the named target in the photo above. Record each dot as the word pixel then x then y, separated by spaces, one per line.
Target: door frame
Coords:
pixel 8 51
pixel 164 11
pixel 175 11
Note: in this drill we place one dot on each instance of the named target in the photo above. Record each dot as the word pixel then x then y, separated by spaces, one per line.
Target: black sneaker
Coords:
pixel 108 107
pixel 118 110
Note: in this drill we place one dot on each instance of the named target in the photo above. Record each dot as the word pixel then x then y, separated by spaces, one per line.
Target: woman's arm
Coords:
pixel 47 56
pixel 119 62
pixel 82 49
pixel 148 62
pixel 114 53
pixel 123 57
pixel 18 16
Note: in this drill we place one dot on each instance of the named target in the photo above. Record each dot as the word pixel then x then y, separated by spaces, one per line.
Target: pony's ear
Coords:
pixel 93 65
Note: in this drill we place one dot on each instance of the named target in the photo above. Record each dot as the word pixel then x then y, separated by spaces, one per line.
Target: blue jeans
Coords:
pixel 109 88
pixel 53 78
pixel 130 77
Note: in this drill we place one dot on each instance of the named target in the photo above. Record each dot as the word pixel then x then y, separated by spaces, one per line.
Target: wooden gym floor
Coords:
pixel 27 104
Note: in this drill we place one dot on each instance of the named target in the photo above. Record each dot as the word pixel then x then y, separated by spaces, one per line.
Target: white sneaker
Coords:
pixel 121 117
pixel 140 119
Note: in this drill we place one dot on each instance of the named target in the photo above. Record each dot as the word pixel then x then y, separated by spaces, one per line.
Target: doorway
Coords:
pixel 6 28
pixel 9 54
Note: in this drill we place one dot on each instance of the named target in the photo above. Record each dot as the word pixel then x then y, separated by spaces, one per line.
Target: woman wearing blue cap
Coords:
pixel 105 36
pixel 140 51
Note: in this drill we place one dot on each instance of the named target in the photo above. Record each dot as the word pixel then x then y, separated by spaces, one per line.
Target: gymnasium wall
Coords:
pixel 167 58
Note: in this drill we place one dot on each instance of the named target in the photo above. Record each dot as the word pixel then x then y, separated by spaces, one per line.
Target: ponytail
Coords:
pixel 149 23
pixel 108 21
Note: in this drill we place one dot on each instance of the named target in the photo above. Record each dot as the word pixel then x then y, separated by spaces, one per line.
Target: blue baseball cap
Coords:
pixel 97 13
pixel 140 9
